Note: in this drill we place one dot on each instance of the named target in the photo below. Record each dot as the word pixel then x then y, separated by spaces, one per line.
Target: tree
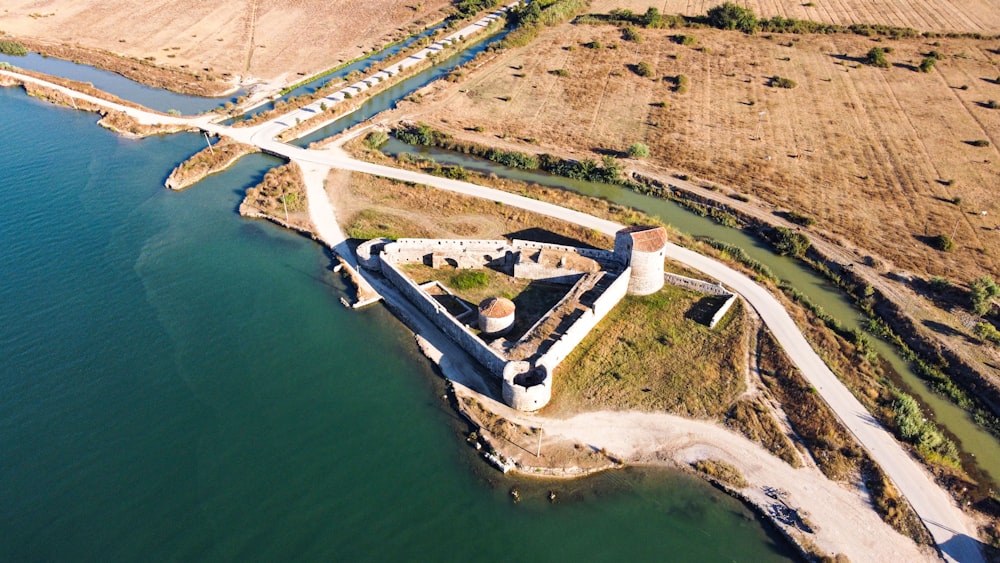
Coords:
pixel 942 242
pixel 788 242
pixel 981 293
pixel 652 18
pixel 876 57
pixel 376 139
pixel 638 150
pixel 733 16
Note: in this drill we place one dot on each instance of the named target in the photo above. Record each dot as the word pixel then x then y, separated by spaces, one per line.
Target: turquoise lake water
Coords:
pixel 180 383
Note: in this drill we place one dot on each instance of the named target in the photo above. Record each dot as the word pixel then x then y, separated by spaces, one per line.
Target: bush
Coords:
pixel 562 72
pixel 638 150
pixel 942 242
pixel 980 143
pixel 630 33
pixel 782 82
pixel 876 57
pixel 801 219
pixel 788 242
pixel 927 64
pixel 684 39
pixel 981 293
pixel 376 139
pixel 470 279
pixel 939 284
pixel 643 69
pixel 595 44
pixel 12 48
pixel 993 104
pixel 733 16
pixel 680 83
pixel 988 332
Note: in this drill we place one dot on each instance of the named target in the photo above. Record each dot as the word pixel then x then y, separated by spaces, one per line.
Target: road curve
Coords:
pixel 951 530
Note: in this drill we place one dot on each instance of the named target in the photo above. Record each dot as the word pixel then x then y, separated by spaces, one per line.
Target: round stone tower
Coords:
pixel 496 316
pixel 644 249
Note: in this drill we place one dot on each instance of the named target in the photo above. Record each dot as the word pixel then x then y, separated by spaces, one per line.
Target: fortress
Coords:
pixel 596 281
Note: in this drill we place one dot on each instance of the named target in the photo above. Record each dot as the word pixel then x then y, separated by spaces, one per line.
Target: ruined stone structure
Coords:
pixel 496 316
pixel 599 279
pixel 644 250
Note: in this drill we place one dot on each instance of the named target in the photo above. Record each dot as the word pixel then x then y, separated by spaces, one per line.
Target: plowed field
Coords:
pixel 260 38
pixel 880 157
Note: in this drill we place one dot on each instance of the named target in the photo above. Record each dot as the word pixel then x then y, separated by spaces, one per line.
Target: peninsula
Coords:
pixel 594 257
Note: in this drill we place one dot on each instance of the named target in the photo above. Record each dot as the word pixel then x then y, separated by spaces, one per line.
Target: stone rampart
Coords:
pixel 604 256
pixel 527 270
pixel 613 295
pixel 579 330
pixel 466 253
pixel 707 288
pixel 444 320
pixel 696 285
pixel 722 310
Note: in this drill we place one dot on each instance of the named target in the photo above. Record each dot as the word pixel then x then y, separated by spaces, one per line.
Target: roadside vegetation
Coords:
pixel 211 159
pixel 12 48
pixel 279 197
pixel 721 471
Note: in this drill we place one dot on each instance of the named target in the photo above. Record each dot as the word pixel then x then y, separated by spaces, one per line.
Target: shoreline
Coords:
pixel 637 456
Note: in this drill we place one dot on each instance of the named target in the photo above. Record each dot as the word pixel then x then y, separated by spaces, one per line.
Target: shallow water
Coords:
pixel 113 83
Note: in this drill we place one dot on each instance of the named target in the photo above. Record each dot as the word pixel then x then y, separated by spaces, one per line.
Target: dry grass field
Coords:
pixel 259 38
pixel 652 353
pixel 877 156
pixel 974 16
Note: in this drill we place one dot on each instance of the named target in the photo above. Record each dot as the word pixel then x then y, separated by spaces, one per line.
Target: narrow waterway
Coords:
pixel 971 438
pixel 114 83
pixel 388 98
pixel 360 65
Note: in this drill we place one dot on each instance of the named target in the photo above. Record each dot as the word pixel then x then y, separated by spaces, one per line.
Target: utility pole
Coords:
pixel 760 120
pixel 538 451
pixel 209 143
pixel 286 208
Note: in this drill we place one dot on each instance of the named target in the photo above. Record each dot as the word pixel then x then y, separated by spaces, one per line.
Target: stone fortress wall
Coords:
pixel 469 341
pixel 579 330
pixel 707 288
pixel 527 384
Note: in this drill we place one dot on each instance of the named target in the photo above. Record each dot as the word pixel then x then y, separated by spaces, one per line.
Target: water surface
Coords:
pixel 113 83
pixel 180 383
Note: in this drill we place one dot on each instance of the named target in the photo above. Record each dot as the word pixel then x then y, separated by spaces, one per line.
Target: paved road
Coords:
pixel 950 528
pixel 953 532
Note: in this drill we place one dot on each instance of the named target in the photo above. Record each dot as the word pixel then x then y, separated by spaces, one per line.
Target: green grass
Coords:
pixel 469 279
pixel 651 353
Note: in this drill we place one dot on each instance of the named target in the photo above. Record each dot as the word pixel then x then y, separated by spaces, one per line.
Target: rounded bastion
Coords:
pixel 526 387
pixel 644 249
pixel 368 251
pixel 496 316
